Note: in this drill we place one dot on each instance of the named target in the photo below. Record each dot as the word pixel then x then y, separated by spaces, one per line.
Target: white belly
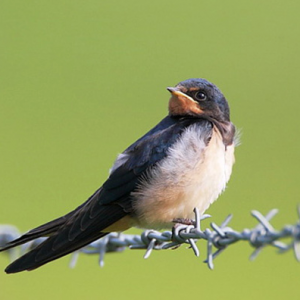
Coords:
pixel 192 175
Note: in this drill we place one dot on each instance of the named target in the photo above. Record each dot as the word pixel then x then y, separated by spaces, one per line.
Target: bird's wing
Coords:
pixel 108 205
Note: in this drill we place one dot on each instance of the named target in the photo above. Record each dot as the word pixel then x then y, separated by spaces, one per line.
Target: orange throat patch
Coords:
pixel 181 104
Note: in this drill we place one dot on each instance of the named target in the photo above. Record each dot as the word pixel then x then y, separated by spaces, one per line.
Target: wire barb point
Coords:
pixel 219 237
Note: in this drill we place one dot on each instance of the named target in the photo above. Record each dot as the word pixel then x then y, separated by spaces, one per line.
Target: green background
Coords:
pixel 81 80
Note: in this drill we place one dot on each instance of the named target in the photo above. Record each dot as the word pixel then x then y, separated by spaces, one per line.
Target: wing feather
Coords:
pixel 108 204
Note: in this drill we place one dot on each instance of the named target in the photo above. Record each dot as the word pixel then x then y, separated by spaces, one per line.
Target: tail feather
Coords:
pixel 62 240
pixel 46 229
pixel 41 231
pixel 43 254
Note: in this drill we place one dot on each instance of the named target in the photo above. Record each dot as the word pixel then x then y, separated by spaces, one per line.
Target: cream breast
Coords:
pixel 192 175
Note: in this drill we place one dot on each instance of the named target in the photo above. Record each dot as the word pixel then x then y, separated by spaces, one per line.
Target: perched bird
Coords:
pixel 184 162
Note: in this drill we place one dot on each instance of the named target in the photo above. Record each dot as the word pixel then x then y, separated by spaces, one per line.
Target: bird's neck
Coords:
pixel 227 131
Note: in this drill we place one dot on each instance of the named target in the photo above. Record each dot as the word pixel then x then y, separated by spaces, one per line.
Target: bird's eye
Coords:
pixel 200 96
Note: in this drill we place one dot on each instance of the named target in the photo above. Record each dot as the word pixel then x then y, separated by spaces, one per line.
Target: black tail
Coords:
pixel 46 252
pixel 41 231
pixel 66 234
pixel 44 230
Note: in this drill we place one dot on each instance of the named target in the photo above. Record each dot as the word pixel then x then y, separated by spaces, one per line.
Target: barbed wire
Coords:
pixel 218 238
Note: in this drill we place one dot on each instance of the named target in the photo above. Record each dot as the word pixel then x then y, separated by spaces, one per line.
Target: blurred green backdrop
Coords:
pixel 81 80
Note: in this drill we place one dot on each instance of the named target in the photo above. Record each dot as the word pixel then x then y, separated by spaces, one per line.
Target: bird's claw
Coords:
pixel 182 221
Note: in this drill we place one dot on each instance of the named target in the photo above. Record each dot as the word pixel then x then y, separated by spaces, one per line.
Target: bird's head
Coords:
pixel 199 98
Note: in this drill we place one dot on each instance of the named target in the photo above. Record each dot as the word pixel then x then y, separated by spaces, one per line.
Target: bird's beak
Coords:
pixel 177 93
pixel 182 104
pixel 172 89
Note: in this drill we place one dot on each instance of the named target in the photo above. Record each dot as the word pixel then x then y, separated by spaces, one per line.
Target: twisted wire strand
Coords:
pixel 218 238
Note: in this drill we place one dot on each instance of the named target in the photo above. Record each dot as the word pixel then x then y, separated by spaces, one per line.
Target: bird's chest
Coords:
pixel 192 175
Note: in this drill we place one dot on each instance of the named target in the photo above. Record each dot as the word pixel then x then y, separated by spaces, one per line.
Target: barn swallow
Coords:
pixel 185 161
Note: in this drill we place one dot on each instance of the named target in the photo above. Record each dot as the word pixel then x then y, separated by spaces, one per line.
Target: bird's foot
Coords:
pixel 181 221
pixel 178 222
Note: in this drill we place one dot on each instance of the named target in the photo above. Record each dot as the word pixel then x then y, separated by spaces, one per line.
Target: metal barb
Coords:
pixel 219 237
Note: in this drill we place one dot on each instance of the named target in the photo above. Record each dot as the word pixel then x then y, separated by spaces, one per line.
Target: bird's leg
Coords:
pixel 177 223
pixel 182 221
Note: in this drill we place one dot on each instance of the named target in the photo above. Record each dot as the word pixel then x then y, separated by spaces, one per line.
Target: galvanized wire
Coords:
pixel 218 238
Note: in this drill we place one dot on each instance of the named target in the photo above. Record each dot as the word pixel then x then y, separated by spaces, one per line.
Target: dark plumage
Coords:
pixel 198 116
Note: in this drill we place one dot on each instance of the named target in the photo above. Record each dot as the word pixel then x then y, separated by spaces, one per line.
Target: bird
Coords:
pixel 182 163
